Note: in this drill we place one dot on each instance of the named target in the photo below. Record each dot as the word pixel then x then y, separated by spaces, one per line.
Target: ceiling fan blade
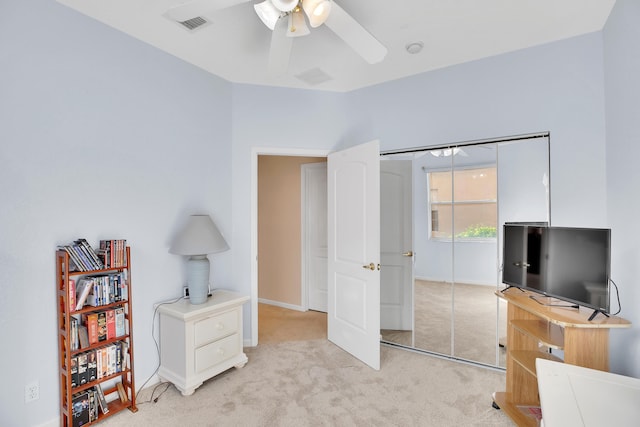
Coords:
pixel 190 9
pixel 355 35
pixel 280 49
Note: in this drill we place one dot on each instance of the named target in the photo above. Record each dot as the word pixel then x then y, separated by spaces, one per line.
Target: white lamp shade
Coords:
pixel 200 236
pixel 317 11
pixel 297 25
pixel 267 13
pixel 285 5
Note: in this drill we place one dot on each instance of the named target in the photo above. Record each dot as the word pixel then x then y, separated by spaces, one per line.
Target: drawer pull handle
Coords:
pixel 220 351
pixel 219 326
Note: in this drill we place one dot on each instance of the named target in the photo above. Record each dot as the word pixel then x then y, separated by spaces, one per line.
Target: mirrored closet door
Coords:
pixel 442 211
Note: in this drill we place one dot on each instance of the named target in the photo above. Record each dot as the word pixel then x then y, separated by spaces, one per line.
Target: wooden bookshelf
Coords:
pixel 532 330
pixel 119 346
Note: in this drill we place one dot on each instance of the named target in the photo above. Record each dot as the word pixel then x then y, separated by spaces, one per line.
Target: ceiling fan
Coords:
pixel 286 20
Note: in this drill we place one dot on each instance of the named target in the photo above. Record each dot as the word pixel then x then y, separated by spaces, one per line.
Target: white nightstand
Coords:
pixel 200 341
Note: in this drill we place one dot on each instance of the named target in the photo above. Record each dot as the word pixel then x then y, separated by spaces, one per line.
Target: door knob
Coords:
pixel 410 253
pixel 371 266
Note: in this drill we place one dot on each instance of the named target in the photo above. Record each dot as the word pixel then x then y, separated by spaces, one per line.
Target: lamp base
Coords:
pixel 198 279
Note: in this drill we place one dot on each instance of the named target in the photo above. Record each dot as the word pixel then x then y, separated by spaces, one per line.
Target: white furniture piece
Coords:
pixel 575 396
pixel 200 341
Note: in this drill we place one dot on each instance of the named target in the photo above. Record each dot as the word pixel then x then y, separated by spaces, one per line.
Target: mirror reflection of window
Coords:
pixel 472 193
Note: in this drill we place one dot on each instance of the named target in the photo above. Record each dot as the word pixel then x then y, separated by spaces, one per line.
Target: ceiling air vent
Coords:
pixel 193 23
pixel 314 77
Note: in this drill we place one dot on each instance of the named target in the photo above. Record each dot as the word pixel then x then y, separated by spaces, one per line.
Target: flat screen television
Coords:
pixel 571 264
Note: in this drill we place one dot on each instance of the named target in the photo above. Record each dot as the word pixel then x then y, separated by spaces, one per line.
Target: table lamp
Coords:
pixel 199 237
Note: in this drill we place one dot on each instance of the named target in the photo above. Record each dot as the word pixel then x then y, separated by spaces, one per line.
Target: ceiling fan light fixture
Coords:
pixel 285 5
pixel 267 13
pixel 297 24
pixel 317 11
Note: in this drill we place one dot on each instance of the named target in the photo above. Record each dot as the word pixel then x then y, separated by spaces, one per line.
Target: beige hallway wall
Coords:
pixel 279 245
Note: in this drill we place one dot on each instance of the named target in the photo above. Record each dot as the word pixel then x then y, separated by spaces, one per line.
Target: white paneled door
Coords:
pixel 396 245
pixel 354 251
pixel 314 232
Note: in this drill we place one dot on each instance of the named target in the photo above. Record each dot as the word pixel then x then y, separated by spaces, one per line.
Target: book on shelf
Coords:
pixel 122 393
pixel 83 375
pixel 104 406
pixel 118 288
pixel 111 357
pixel 111 324
pixel 83 289
pixel 75 263
pixel 73 333
pixel 83 336
pixel 80 409
pixel 113 253
pixel 102 326
pixel 71 295
pixel 106 289
pixel 98 363
pixel 91 322
pixel 93 405
pixel 107 294
pixel 122 281
pixel 104 251
pixel 82 256
pixel 94 297
pixel 126 360
pixel 118 349
pixel 91 254
pixel 120 321
pixel 73 371
pixel 104 363
pixel 92 365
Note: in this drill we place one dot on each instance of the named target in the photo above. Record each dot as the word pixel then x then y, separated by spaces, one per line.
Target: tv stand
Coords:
pixel 534 329
pixel 595 313
pixel 536 298
pixel 512 286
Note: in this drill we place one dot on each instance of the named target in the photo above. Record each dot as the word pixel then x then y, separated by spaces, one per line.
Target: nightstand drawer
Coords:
pixel 216 352
pixel 215 327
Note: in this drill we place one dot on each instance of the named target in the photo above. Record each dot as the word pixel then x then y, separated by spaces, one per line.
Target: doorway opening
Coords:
pixel 279 303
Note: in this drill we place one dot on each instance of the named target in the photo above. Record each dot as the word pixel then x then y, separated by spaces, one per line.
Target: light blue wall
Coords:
pixel 556 87
pixel 622 68
pixel 101 136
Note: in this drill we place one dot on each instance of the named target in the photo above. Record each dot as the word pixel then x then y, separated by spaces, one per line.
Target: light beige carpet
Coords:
pixel 474 317
pixel 315 383
pixel 277 324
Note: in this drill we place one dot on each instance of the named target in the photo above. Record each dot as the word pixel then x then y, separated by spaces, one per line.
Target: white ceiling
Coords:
pixel 235 45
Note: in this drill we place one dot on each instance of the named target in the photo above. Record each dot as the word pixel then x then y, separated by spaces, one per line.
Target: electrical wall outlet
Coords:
pixel 185 292
pixel 31 392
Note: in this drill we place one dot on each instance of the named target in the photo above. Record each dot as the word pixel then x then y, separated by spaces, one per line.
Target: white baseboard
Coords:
pixel 281 304
pixel 52 423
pixel 466 282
